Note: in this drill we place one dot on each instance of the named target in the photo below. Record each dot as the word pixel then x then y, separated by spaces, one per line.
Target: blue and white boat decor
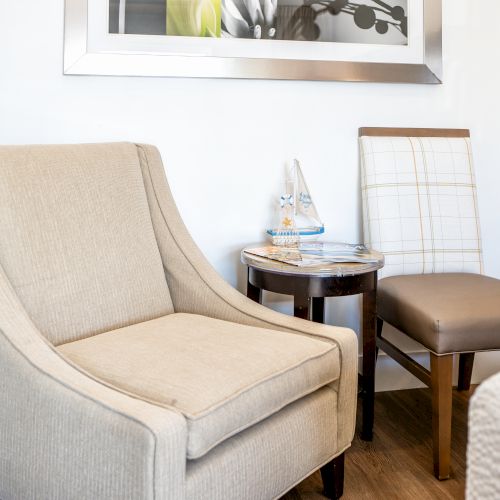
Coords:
pixel 299 218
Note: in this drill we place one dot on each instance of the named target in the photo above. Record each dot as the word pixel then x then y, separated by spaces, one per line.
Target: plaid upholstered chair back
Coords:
pixel 419 200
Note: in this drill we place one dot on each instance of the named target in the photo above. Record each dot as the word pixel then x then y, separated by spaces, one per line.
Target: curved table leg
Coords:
pixel 253 292
pixel 318 309
pixel 301 306
pixel 369 361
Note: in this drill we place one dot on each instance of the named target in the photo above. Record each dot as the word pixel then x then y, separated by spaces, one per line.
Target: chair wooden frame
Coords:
pixel 439 377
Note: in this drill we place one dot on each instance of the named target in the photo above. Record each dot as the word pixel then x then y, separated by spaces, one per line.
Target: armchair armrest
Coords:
pixel 196 288
pixel 66 435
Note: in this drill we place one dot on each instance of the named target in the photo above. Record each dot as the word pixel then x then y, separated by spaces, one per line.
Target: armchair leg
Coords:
pixel 465 365
pixel 333 477
pixel 441 380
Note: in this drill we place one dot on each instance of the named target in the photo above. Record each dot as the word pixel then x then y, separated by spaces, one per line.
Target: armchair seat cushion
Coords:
pixel 223 377
pixel 446 312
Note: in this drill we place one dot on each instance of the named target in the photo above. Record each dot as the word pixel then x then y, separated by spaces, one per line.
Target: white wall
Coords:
pixel 224 142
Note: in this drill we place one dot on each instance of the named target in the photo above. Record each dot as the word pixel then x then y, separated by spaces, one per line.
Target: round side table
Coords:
pixel 309 287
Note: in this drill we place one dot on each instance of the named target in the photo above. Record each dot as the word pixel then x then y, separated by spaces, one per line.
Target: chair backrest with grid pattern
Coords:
pixel 419 200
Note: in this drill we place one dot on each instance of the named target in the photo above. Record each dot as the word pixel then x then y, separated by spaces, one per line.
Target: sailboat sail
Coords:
pixel 302 214
pixel 304 204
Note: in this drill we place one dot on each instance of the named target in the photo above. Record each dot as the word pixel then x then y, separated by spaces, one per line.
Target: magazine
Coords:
pixel 316 253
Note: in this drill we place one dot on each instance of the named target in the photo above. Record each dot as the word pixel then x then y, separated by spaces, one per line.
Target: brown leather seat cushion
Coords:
pixel 449 312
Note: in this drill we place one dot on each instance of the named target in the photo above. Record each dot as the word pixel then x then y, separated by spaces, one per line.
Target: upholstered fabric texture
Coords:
pixel 197 288
pixel 483 448
pixel 222 377
pixel 264 461
pixel 419 203
pixel 446 312
pixel 77 239
pixel 70 434
pixel 64 435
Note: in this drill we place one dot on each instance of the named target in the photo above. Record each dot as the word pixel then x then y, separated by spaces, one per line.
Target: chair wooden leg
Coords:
pixel 333 477
pixel 441 380
pixel 465 365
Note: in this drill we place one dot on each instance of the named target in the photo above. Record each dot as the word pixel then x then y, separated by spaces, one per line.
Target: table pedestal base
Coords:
pixel 309 294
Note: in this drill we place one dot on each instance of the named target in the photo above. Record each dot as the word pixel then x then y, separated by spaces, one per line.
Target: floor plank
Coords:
pixel 397 464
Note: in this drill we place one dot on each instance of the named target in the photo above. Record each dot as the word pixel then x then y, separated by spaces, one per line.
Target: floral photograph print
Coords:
pixel 383 22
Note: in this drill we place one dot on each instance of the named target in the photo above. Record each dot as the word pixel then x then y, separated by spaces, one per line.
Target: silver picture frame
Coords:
pixel 82 58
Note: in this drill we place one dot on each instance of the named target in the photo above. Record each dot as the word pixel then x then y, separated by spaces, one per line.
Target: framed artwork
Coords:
pixel 349 40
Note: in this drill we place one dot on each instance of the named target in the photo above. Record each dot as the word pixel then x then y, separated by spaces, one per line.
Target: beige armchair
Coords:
pixel 128 368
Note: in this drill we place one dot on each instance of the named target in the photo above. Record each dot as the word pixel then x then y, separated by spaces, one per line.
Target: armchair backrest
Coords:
pixel 419 200
pixel 76 238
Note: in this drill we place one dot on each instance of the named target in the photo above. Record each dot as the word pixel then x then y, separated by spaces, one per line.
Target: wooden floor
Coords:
pixel 397 464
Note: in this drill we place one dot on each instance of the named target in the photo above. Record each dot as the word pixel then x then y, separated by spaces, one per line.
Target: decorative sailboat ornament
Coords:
pixel 299 218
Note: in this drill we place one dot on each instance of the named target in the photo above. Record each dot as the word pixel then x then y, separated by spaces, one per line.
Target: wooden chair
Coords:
pixel 420 210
